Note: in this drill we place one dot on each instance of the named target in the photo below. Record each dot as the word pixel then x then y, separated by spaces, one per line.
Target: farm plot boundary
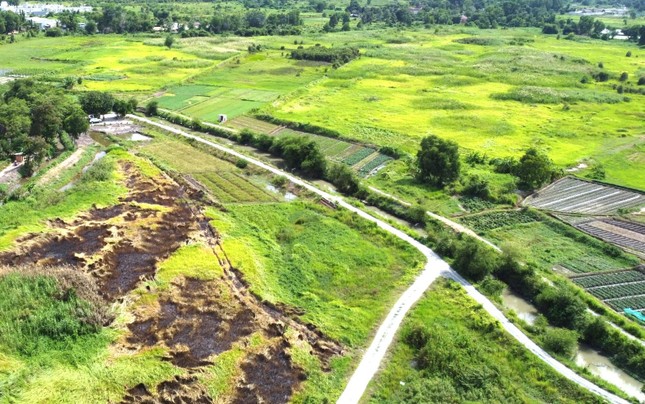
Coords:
pixel 365 160
pixel 574 195
pixel 619 290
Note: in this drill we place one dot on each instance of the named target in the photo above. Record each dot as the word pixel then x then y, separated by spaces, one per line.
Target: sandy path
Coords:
pixel 68 162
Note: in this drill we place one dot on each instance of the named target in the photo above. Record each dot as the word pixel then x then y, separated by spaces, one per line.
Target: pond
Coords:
pixel 586 357
pixel 525 310
pixel 600 366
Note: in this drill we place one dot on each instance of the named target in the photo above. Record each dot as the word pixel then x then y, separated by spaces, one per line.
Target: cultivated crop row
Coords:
pixel 494 220
pixel 617 232
pixel 577 196
pixel 633 302
pixel 256 125
pixel 620 290
pixel 229 187
pixel 591 281
pixel 358 156
pixel 375 163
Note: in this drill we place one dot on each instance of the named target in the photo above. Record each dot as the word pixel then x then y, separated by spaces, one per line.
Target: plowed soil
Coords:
pixel 194 320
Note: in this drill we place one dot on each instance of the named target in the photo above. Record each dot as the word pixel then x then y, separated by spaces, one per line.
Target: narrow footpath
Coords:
pixel 434 268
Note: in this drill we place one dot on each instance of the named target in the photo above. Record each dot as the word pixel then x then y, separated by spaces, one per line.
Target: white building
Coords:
pixel 43 23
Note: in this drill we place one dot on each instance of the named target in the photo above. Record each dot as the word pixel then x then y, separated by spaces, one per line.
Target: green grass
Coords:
pixel 53 350
pixel 397 93
pixel 546 242
pixel 194 261
pixel 470 359
pixel 289 253
pixel 106 62
pixel 29 214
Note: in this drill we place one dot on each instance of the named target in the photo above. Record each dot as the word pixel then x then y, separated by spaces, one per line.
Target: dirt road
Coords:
pixel 434 268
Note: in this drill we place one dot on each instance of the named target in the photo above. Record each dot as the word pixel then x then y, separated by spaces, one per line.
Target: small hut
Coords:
pixel 18 158
pixel 463 20
pixel 222 118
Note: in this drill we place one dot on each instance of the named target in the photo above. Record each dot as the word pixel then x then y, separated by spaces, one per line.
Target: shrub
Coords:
pixel 99 171
pixel 562 307
pixel 560 341
pixel 335 56
pixel 623 76
pixel 246 136
pixel 54 32
pixel 343 178
pixel 241 163
pixel 152 108
pixel 476 158
pixel 476 186
pixel 473 260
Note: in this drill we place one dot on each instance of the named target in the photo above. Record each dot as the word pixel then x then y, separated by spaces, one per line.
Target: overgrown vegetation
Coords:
pixel 460 354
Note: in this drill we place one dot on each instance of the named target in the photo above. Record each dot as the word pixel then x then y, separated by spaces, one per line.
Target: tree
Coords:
pixel 438 161
pixel 170 40
pixel 90 27
pixel 152 108
pixel 474 260
pixel 47 117
pixel 343 178
pixel 534 169
pixel 76 123
pixel 15 122
pixel 96 102
pixel 123 107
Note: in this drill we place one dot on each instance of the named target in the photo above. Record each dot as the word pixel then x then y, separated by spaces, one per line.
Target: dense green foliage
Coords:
pixel 39 315
pixel 34 117
pixel 460 354
pixel 335 56
pixel 438 161
pixel 300 154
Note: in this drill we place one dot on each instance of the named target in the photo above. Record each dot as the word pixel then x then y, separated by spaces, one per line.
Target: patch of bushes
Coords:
pixel 44 310
pixel 336 56
pixel 547 95
pixel 304 127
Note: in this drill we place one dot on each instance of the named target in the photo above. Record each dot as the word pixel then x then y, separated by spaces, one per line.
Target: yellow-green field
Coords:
pixel 400 92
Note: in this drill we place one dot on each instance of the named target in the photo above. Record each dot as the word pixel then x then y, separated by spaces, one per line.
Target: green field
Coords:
pixel 223 179
pixel 546 242
pixel 459 354
pixel 454 84
pixel 105 63
pixel 289 253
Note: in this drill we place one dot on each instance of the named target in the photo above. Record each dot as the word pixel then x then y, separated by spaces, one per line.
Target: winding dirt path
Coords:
pixel 434 268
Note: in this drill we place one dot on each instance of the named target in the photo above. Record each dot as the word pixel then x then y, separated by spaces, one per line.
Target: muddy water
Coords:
pixel 525 310
pixel 597 364
pixel 603 368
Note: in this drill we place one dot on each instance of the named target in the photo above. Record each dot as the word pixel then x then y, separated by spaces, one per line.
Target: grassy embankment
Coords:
pixel 459 354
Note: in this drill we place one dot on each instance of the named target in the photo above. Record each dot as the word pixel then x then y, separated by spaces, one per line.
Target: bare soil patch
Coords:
pixel 194 320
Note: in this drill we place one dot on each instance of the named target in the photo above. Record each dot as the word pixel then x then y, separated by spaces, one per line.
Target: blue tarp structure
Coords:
pixel 636 314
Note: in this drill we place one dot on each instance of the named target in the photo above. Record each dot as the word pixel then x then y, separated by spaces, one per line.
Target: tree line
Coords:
pixel 39 120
